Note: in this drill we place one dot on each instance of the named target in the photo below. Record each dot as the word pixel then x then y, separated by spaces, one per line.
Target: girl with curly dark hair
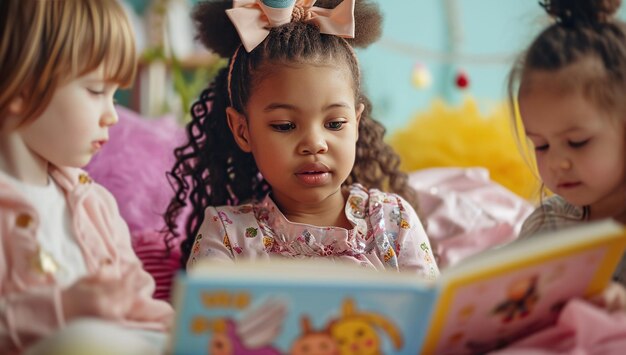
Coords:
pixel 283 158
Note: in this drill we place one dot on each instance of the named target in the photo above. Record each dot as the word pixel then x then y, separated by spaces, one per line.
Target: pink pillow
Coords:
pixel 133 166
pixel 465 212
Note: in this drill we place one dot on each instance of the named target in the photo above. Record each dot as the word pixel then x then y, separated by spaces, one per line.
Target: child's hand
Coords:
pixel 613 298
pixel 100 295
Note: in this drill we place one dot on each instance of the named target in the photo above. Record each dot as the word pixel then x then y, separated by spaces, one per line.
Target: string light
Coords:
pixel 444 57
pixel 452 56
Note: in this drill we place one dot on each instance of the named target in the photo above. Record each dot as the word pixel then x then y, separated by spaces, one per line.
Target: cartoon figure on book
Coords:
pixel 283 158
pixel 251 334
pixel 356 332
pixel 313 341
pixel 350 331
pixel 569 85
pixel 65 252
pixel 521 297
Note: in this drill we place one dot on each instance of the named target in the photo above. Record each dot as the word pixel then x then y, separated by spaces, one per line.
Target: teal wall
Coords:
pixel 138 5
pixel 492 33
pixel 489 35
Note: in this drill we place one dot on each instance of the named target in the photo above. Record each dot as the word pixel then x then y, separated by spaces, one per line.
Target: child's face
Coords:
pixel 75 124
pixel 302 130
pixel 579 149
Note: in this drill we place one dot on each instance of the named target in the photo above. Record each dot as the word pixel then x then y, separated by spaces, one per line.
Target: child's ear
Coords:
pixel 16 106
pixel 239 127
pixel 359 111
pixel 15 111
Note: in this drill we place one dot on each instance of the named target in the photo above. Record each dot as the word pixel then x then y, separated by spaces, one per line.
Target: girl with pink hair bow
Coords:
pixel 283 158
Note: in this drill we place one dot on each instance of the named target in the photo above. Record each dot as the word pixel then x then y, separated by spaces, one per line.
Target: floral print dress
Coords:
pixel 386 234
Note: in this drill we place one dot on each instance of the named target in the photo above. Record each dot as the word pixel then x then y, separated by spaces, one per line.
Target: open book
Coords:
pixel 481 303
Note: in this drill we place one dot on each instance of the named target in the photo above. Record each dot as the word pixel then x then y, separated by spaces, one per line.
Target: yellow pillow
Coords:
pixel 461 136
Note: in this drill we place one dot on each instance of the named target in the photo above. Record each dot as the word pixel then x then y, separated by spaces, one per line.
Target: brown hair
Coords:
pixel 585 46
pixel 211 170
pixel 586 41
pixel 45 44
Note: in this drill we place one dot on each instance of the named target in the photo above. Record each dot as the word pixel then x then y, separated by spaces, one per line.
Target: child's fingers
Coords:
pixel 616 297
pixel 613 298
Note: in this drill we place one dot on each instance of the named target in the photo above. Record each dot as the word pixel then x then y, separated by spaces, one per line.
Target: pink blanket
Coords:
pixel 581 329
pixel 466 212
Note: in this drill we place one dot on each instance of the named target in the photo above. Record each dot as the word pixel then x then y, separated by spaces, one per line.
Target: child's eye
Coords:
pixel 95 92
pixel 335 125
pixel 283 127
pixel 578 144
pixel 542 148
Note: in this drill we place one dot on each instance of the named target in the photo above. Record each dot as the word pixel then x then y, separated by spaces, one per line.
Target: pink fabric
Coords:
pixel 252 19
pixel 581 329
pixel 386 234
pixel 465 212
pixel 30 303
pixel 132 166
pixel 157 261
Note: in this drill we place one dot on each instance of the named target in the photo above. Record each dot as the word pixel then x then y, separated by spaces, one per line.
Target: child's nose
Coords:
pixel 109 119
pixel 313 143
pixel 560 162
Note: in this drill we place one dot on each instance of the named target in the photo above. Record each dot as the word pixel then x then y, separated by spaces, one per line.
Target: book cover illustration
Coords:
pixel 300 319
pixel 483 303
pixel 490 311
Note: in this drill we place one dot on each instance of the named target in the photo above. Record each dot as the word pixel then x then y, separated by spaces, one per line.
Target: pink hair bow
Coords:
pixel 254 18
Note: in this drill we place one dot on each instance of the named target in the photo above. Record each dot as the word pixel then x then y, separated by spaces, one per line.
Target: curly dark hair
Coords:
pixel 211 170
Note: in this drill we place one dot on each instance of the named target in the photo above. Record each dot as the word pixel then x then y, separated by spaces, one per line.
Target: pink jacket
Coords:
pixel 30 302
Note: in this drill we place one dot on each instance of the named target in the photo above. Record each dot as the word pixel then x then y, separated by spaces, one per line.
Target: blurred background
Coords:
pixel 430 49
pixel 437 77
pixel 437 80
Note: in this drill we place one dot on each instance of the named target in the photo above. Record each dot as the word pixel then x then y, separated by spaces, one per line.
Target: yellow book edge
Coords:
pixel 615 240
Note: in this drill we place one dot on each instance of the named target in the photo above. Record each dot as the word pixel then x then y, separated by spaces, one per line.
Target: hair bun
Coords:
pixel 367 18
pixel 217 32
pixel 576 12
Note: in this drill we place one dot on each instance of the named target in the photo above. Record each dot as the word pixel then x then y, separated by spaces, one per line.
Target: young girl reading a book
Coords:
pixel 65 252
pixel 283 158
pixel 570 85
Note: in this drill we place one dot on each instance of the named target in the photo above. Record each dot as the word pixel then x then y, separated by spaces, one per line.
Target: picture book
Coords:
pixel 325 307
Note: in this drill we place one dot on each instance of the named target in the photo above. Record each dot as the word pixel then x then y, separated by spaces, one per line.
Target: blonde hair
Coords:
pixel 47 43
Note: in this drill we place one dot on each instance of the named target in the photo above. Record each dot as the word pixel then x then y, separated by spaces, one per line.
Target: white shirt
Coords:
pixel 55 233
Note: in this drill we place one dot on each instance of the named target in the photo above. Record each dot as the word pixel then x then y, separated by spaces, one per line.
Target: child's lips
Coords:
pixel 314 178
pixel 568 185
pixel 97 145
pixel 312 168
pixel 313 174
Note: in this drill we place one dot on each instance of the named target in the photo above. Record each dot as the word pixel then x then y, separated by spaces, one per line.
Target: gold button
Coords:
pixel 84 179
pixel 46 264
pixel 23 220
